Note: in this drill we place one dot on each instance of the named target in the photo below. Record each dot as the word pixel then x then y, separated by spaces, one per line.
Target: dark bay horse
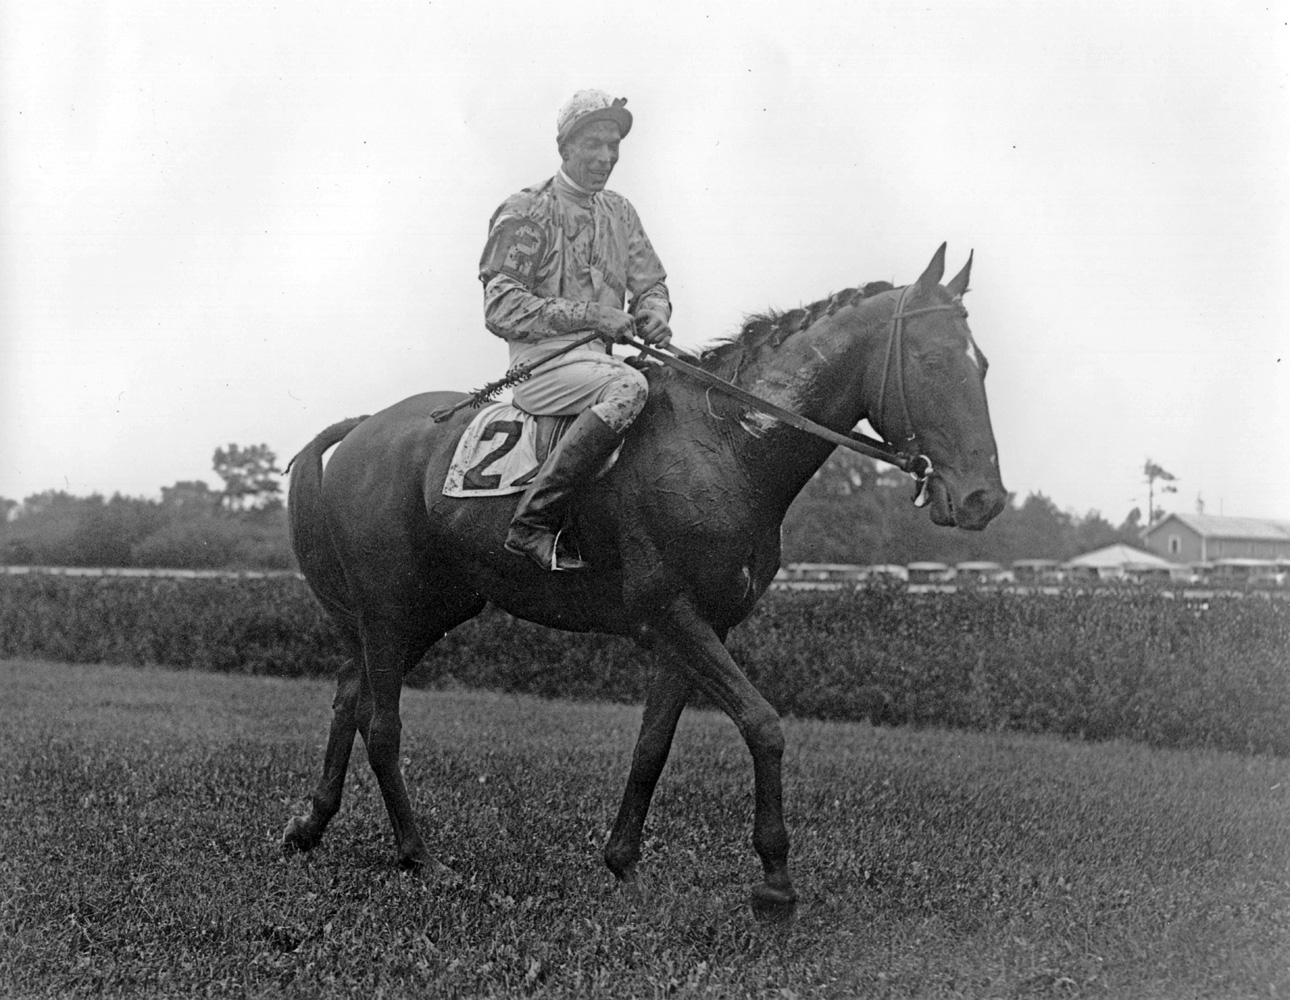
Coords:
pixel 682 533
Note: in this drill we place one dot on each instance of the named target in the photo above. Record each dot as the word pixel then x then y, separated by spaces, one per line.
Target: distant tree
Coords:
pixel 1035 529
pixel 856 511
pixel 97 538
pixel 248 475
pixel 57 529
pixel 1093 532
pixel 105 532
pixel 205 543
pixel 1154 473
pixel 838 516
pixel 843 474
pixel 8 508
pixel 190 497
pixel 51 502
pixel 42 528
pixel 1130 531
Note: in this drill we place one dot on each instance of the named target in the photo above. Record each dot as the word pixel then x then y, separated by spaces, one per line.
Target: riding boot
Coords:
pixel 535 528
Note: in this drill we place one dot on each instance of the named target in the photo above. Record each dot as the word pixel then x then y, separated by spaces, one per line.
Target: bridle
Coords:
pixel 896 353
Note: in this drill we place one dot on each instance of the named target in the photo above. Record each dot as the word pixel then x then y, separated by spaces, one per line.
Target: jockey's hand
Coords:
pixel 613 325
pixel 653 329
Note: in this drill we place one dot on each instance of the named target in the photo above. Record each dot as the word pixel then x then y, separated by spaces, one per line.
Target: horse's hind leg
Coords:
pixel 388 657
pixel 668 693
pixel 304 832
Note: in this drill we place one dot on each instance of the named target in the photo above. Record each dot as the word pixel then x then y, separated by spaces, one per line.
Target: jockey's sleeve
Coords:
pixel 512 268
pixel 646 279
pixel 513 312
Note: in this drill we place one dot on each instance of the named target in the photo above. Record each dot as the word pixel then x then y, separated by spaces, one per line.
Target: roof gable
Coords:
pixel 1213 526
pixel 1116 555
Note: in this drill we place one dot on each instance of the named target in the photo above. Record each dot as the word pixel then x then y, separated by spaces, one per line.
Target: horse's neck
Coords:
pixel 826 373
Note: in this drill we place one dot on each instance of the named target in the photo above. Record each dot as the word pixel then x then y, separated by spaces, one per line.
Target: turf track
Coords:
pixel 138 856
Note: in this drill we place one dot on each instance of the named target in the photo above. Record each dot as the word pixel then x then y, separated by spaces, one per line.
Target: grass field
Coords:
pixel 142 809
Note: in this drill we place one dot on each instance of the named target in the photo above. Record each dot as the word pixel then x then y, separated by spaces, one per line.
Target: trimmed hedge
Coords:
pixel 1098 665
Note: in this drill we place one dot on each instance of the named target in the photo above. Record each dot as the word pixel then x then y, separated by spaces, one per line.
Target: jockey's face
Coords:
pixel 589 157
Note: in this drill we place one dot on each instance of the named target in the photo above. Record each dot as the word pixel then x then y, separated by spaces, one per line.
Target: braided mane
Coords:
pixel 768 330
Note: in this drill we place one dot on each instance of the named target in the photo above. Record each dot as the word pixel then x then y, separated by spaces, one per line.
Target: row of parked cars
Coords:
pixel 1222 573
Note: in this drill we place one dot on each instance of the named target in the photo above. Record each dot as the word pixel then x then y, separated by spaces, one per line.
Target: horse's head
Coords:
pixel 931 398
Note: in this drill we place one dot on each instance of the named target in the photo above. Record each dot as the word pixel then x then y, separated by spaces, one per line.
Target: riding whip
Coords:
pixel 514 376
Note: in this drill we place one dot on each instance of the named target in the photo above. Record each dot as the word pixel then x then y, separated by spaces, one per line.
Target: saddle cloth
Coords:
pixel 501 451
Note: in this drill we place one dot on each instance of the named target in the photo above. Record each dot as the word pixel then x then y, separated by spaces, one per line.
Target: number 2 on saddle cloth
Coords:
pixel 502 450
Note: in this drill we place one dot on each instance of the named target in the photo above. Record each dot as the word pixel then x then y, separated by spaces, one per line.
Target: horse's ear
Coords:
pixel 930 278
pixel 959 283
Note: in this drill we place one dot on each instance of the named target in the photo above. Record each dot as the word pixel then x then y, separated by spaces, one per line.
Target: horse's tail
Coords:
pixel 310 539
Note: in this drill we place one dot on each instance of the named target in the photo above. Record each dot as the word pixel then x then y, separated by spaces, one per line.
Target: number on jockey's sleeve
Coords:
pixel 516 246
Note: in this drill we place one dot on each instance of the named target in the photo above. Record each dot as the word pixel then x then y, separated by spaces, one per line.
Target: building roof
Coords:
pixel 1116 555
pixel 1212 526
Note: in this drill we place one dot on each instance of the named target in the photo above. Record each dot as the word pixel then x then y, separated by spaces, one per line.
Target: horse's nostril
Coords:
pixel 979 507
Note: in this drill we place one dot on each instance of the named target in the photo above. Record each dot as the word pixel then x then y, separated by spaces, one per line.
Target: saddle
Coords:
pixel 502 450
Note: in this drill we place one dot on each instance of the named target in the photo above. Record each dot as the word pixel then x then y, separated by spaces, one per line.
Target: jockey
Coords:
pixel 560 261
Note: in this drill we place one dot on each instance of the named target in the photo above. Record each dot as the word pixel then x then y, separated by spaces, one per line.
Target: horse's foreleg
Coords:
pixel 667 696
pixel 713 671
pixel 303 832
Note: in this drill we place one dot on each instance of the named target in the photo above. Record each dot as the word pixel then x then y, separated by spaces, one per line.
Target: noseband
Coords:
pixel 896 354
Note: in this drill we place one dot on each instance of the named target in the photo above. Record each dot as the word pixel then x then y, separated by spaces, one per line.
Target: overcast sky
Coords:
pixel 240 222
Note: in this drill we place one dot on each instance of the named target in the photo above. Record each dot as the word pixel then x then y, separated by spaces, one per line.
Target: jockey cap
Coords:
pixel 587 106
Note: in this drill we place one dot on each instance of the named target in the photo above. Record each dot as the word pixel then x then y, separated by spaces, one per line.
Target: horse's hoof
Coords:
pixel 634 887
pixel 442 874
pixel 297 836
pixel 622 863
pixel 427 869
pixel 773 904
pixel 413 862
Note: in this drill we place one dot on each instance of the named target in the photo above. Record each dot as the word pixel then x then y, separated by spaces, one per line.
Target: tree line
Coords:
pixel 192 526
pixel 852 511
pixel 855 511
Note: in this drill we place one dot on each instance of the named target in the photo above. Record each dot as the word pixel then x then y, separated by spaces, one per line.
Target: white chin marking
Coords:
pixel 972 355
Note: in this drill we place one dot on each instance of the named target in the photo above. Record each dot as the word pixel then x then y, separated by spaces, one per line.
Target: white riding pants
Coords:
pixel 582 380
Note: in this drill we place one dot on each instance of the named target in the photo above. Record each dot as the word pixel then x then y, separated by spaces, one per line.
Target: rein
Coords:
pixel 871 447
pixel 917 465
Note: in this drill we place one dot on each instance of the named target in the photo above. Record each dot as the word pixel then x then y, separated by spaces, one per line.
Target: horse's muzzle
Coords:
pixel 971 512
